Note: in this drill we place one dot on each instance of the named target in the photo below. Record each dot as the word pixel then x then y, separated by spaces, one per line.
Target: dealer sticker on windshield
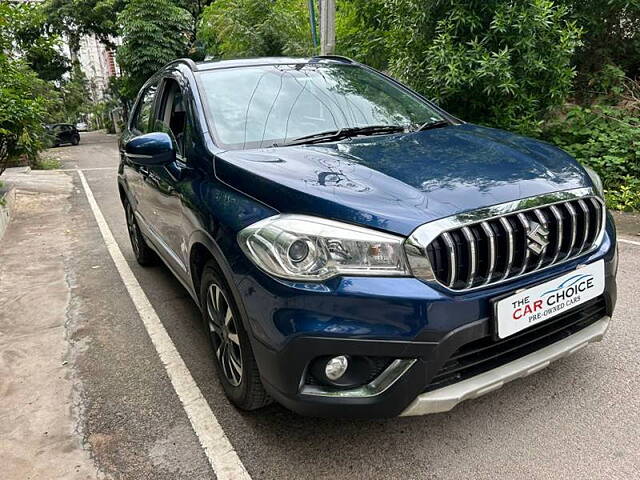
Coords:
pixel 542 302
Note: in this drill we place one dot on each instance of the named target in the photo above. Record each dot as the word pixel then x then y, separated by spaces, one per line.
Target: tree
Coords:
pixel 25 99
pixel 611 36
pixel 75 18
pixel 33 41
pixel 197 49
pixel 362 31
pixel 75 95
pixel 154 32
pixel 22 108
pixel 254 28
pixel 500 63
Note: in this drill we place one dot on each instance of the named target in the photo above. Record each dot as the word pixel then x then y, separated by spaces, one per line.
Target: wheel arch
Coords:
pixel 202 249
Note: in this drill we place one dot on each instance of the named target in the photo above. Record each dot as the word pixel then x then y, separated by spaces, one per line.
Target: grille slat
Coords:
pixel 585 211
pixel 598 217
pixel 491 253
pixel 453 264
pixel 542 218
pixel 473 264
pixel 527 253
pixel 484 252
pixel 559 232
pixel 510 246
pixel 574 228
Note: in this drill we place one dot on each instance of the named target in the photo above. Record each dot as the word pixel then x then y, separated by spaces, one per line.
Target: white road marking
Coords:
pixel 84 169
pixel 630 242
pixel 221 455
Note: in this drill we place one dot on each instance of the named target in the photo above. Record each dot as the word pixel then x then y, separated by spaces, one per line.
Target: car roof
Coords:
pixel 248 62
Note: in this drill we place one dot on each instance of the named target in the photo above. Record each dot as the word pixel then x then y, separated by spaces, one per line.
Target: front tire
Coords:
pixel 235 364
pixel 75 141
pixel 143 253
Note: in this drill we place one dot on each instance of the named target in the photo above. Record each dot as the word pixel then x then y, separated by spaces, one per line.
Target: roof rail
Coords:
pixel 187 61
pixel 338 58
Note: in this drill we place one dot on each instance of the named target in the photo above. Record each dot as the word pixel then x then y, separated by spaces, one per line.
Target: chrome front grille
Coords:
pixel 507 241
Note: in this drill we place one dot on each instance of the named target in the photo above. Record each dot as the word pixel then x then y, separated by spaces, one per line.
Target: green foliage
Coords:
pixel 154 33
pixel 47 162
pixel 25 99
pixel 612 36
pixel 505 64
pixel 362 31
pixel 627 197
pixel 607 139
pixel 253 28
pixel 75 18
pixel 26 26
pixel 606 85
pixel 75 96
pixel 22 108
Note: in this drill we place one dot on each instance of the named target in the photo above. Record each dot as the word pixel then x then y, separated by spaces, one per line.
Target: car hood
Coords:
pixel 398 182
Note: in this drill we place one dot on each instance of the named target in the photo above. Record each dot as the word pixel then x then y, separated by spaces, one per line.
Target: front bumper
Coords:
pixel 397 319
pixel 444 399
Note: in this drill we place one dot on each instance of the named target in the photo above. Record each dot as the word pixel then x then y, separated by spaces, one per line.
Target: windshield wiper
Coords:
pixel 432 124
pixel 346 132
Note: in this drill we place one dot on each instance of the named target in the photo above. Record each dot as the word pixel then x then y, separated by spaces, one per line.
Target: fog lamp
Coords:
pixel 336 367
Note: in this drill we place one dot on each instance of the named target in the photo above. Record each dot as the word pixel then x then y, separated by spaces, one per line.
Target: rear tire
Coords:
pixel 235 364
pixel 75 140
pixel 143 253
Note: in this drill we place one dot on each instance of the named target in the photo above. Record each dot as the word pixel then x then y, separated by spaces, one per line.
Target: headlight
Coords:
pixel 299 247
pixel 597 182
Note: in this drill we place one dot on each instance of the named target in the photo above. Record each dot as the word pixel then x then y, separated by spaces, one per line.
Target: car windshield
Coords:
pixel 260 106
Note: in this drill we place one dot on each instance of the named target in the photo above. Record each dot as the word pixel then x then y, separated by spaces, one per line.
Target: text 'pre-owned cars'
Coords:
pixel 354 249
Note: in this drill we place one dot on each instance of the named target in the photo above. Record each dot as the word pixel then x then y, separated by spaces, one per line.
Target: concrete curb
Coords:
pixel 6 208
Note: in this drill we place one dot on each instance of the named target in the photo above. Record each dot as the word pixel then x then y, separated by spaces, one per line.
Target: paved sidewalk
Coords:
pixel 38 437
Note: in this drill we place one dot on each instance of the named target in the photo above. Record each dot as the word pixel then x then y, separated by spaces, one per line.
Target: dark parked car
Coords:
pixel 354 249
pixel 62 133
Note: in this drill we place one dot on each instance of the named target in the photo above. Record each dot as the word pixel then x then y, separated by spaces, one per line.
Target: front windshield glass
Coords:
pixel 274 104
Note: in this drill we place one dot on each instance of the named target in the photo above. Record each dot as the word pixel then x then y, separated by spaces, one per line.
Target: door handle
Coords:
pixel 144 171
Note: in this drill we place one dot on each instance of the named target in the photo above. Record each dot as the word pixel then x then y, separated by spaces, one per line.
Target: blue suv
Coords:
pixel 354 249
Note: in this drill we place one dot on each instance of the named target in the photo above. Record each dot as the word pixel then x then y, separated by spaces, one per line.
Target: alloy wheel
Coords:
pixel 223 330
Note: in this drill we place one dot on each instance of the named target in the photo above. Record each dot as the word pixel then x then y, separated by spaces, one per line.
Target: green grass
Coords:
pixel 47 163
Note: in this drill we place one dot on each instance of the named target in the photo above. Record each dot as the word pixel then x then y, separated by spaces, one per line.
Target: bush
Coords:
pixel 505 64
pixel 22 109
pixel 607 139
pixel 255 28
pixel 627 197
pixel 612 36
pixel 362 31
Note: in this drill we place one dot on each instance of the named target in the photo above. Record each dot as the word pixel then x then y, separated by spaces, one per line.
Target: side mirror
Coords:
pixel 151 149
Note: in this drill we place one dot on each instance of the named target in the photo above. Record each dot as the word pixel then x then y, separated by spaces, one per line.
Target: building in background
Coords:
pixel 98 64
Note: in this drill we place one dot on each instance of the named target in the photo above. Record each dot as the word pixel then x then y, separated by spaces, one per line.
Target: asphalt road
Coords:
pixel 579 418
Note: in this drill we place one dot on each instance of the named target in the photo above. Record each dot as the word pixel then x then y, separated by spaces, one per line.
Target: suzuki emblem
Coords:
pixel 538 238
